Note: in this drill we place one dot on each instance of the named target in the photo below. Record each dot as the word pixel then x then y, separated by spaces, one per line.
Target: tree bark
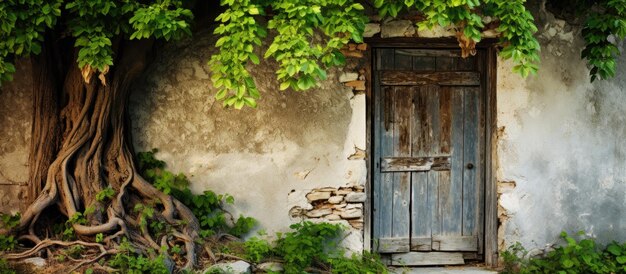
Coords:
pixel 45 131
pixel 81 145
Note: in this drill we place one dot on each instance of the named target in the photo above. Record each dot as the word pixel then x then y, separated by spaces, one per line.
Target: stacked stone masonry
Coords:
pixel 334 204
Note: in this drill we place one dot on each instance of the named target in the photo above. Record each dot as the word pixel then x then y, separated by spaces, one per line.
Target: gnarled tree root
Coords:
pixel 89 154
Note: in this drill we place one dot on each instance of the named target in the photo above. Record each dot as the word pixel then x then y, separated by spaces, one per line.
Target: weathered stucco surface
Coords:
pixel 15 121
pixel 294 142
pixel 562 149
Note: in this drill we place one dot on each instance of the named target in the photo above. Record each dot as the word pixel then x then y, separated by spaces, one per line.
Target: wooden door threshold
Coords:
pixel 426 258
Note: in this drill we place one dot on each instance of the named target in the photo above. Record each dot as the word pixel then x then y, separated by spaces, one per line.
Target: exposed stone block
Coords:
pixel 36 262
pixel 333 217
pixel 356 223
pixel 231 267
pixel 296 212
pixel 436 32
pixel 357 85
pixel 335 199
pixel 340 206
pixel 316 196
pixel 343 191
pixel 397 28
pixel 350 206
pixel 271 266
pixel 348 77
pixel 326 189
pixel 490 33
pixel 353 213
pixel 356 197
pixel 316 213
pixel 371 29
pixel 352 53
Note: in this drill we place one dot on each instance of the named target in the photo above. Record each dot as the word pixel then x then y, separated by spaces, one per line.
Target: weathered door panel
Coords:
pixel 428 154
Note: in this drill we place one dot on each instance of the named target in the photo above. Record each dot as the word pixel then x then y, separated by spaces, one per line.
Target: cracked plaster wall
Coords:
pixel 293 143
pixel 562 146
pixel 15 121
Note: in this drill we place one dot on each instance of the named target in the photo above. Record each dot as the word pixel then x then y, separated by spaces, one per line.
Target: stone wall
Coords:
pixel 331 204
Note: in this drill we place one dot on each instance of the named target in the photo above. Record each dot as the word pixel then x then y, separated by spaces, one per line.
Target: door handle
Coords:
pixel 470 166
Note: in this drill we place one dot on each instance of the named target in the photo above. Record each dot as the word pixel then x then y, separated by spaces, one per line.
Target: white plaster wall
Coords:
pixel 563 142
pixel 294 142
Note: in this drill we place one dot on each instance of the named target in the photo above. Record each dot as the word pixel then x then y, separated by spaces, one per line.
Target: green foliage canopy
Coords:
pixel 94 25
pixel 303 56
pixel 306 39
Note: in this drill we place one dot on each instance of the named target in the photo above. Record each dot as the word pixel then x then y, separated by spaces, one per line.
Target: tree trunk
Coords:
pixel 81 146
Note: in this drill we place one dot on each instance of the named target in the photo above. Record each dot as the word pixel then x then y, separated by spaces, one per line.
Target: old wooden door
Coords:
pixel 429 139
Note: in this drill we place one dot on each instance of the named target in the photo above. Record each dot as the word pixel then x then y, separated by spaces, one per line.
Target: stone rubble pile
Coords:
pixel 334 204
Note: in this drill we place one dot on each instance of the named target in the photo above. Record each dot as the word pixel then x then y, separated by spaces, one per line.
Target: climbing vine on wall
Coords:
pixel 303 56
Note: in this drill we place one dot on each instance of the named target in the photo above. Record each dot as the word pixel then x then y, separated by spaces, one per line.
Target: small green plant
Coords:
pixel 8 242
pixel 77 218
pixel 358 263
pixel 306 243
pixel 106 194
pixel 5 268
pixel 10 221
pixel 514 258
pixel 208 207
pixel 145 213
pixel 128 261
pixel 74 251
pixel 579 254
pixel 99 238
pixel 312 245
pixel 256 249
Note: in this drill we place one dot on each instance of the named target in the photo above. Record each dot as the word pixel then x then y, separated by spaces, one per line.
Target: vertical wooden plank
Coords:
pixel 471 161
pixel 445 117
pixel 445 63
pixel 481 66
pixel 421 214
pixel 377 145
pixel 386 185
pixel 402 148
pixel 367 205
pixel 491 200
pixel 434 118
pixel 443 146
pixel 424 63
pixel 434 210
pixel 466 64
pixel 450 192
pixel 402 61
pixel 385 58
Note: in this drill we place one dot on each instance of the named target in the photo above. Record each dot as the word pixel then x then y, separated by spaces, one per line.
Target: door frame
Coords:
pixel 491 198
